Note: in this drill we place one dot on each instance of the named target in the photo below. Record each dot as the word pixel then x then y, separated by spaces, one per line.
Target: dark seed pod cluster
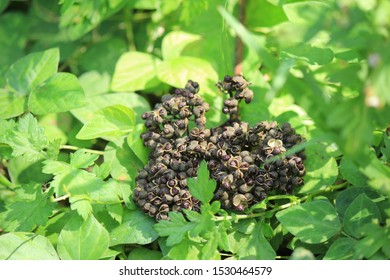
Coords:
pixel 247 163
pixel 176 150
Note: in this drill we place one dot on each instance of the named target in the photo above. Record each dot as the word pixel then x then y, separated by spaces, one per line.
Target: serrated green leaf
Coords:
pixel 82 159
pixel 256 247
pixel 175 41
pixel 60 93
pixel 31 212
pixel 175 229
pixel 202 187
pixel 56 167
pixel 135 71
pixel 26 246
pixel 113 121
pixel 361 211
pixel 136 228
pixel 185 250
pixel 312 222
pixel 28 139
pixel 102 171
pixel 341 249
pixel 210 249
pixel 33 69
pixel 115 211
pixel 82 204
pixel 83 239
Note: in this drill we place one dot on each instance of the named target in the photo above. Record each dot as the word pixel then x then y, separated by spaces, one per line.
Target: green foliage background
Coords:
pixel 75 76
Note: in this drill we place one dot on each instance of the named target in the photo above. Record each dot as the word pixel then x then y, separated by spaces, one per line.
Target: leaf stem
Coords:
pixel 5 182
pixel 294 201
pixel 60 198
pixel 74 148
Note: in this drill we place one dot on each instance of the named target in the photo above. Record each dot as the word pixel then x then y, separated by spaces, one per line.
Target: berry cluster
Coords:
pixel 247 162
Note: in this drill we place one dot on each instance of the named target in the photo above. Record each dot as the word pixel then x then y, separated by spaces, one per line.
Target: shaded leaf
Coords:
pixel 32 211
pixel 175 229
pixel 312 222
pixel 136 228
pixel 256 246
pixel 361 211
pixel 341 249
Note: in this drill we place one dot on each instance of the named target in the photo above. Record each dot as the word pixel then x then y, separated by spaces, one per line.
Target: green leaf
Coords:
pixel 3 5
pixel 301 253
pixel 341 249
pixel 202 187
pixel 32 211
pixel 174 43
pixel 310 54
pixel 144 254
pixel 176 228
pixel 321 168
pixel 53 227
pixel 124 163
pixel 103 55
pixel 255 43
pixel 177 71
pixel 24 171
pixel 350 171
pixel 312 222
pixel 12 104
pixel 26 246
pixel 115 211
pixel 135 143
pixel 82 159
pixel 256 247
pixel 135 71
pixel 83 240
pixel 113 121
pixel 95 103
pixel 60 93
pixel 376 239
pixel 185 250
pixel 82 204
pixel 136 228
pixel 360 212
pixel 33 69
pixel 28 139
pixel 345 197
